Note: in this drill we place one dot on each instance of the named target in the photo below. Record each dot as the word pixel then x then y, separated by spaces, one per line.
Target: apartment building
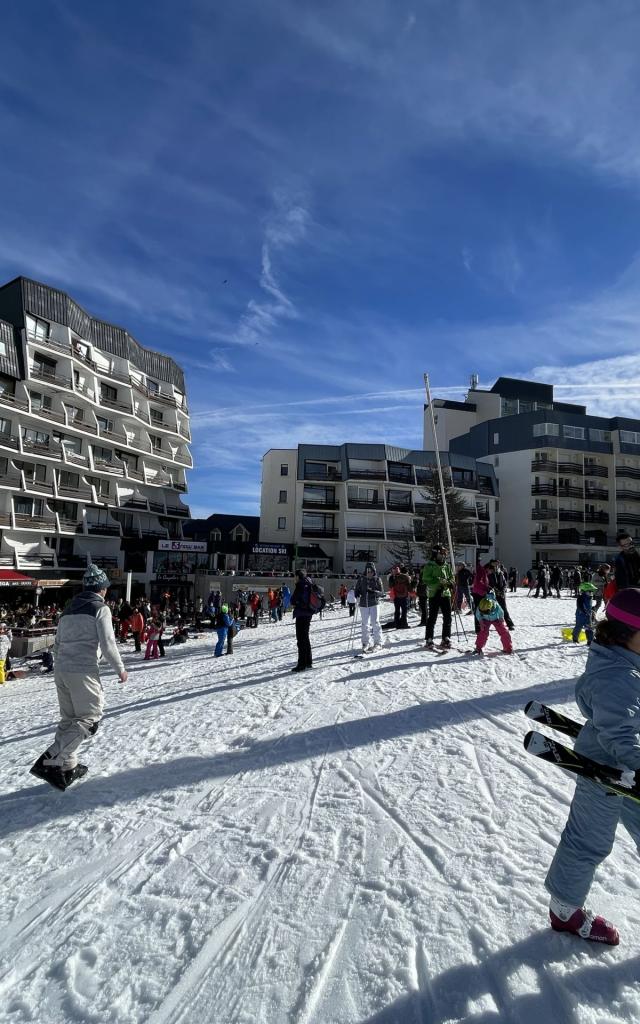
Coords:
pixel 568 481
pixel 94 435
pixel 336 507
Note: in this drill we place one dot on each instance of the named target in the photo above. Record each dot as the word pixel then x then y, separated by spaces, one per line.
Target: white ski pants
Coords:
pixel 81 701
pixel 370 625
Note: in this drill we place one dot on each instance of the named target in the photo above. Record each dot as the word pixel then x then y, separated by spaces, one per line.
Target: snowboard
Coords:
pixel 546 749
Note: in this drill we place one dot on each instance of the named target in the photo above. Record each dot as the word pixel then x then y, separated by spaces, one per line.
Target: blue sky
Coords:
pixel 311 204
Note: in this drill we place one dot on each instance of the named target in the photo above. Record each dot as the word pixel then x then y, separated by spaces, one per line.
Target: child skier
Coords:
pixel 154 632
pixel 608 694
pixel 584 612
pixel 223 624
pixel 488 614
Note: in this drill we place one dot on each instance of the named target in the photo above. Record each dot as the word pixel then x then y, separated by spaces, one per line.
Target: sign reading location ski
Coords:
pixel 564 757
pixel 554 719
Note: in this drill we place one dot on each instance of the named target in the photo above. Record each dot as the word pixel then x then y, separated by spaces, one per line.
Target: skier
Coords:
pixel 351 601
pixel 490 613
pixel 584 613
pixel 368 589
pixel 608 694
pixel 439 580
pixel 302 613
pixel 154 632
pixel 84 630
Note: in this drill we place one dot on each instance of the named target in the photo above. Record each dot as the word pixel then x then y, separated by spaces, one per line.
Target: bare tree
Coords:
pixel 402 550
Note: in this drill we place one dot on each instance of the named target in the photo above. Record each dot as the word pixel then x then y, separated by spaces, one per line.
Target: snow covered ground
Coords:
pixel 360 844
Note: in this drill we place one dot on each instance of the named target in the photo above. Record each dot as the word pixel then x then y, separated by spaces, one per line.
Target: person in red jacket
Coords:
pixel 137 628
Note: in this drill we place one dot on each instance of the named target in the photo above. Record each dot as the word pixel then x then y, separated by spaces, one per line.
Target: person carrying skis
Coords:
pixel 84 630
pixel 223 623
pixel 584 613
pixel 368 589
pixel 490 613
pixel 608 694
pixel 438 577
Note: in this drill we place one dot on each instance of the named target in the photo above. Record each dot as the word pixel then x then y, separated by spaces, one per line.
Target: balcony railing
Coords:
pixel 48 414
pixel 9 399
pixel 630 472
pixel 544 466
pixel 10 480
pixel 599 493
pixel 9 441
pixel 571 467
pixel 544 488
pixel 52 449
pixel 544 513
pixel 40 486
pixel 69 525
pixel 112 403
pixel 628 518
pixel 595 517
pixel 62 346
pixel 364 503
pixel 360 531
pixel 157 506
pixel 179 510
pixel 318 503
pixel 330 475
pixel 628 495
pixel 569 515
pixel 84 389
pixel 482 488
pixel 590 469
pixel 366 474
pixel 400 534
pixel 26 522
pixel 400 477
pixel 568 491
pixel 50 377
pixel 309 531
pixel 5 519
pixel 83 493
pixel 105 529
pixel 399 506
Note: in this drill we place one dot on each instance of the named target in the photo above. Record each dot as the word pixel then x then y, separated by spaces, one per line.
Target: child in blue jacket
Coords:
pixel 584 613
pixel 223 624
pixel 488 614
pixel 608 694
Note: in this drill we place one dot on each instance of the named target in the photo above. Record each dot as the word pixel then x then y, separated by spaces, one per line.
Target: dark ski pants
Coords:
pixel 400 612
pixel 502 601
pixel 422 604
pixel 587 839
pixel 302 639
pixel 439 603
pixel 136 640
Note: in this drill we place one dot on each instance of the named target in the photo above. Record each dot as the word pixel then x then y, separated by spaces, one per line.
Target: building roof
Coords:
pixel 513 387
pixel 224 522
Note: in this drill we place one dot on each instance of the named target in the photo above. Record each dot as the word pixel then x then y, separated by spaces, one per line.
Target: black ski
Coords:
pixel 545 715
pixel 564 757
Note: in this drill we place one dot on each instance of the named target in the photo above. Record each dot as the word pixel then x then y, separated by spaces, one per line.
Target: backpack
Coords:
pixel 219 622
pixel 316 599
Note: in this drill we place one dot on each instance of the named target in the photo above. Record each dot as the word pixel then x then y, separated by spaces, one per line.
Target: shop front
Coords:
pixel 177 565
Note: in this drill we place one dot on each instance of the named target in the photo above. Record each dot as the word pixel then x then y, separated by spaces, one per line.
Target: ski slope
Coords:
pixel 360 844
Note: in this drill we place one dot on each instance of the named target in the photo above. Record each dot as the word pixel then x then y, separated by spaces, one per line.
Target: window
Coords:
pixel 69 480
pixel 599 435
pixel 32 436
pixel 106 454
pixel 629 437
pixel 75 415
pixel 34 473
pixel 545 429
pixel 39 402
pixel 240 533
pixel 38 329
pixel 5 426
pixel 3 347
pixel 29 506
pixel 282 522
pixel 156 441
pixel 156 416
pixel 283 497
pixel 284 469
pixel 106 391
pixel 496 438
pixel 152 387
pixel 44 365
pixel 71 444
pixel 215 535
pixel 105 424
pixel 569 430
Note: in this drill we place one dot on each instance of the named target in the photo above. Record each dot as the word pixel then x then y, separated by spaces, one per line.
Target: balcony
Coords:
pixel 157 506
pixel 84 389
pixel 569 515
pixel 178 510
pixel 544 513
pixel 630 472
pixel 571 467
pixel 482 488
pixel 364 503
pixel 595 517
pixel 399 506
pixel 422 508
pixel 111 403
pixel 400 476
pixel 39 486
pixel 628 495
pixel 568 491
pixel 5 519
pixel 597 493
pixel 9 441
pixel 48 414
pixel 309 531
pixel 483 514
pixel 61 346
pixel 10 480
pixel 103 529
pixel 81 424
pixel 51 377
pixel 544 466
pixel 51 449
pixel 330 474
pixel 10 400
pixel 628 518
pixel 69 525
pixel 400 534
pixel 135 503
pixel 79 493
pixel 590 469
pixel 133 474
pixel 318 504
pixel 115 436
pixel 106 466
pixel 26 522
pixel 544 488
pixel 366 474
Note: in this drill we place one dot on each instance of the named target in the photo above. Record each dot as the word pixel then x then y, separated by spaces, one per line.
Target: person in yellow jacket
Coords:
pixel 438 579
pixel 5 644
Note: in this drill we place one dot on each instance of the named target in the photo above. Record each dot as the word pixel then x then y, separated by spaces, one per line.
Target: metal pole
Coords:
pixel 440 477
pixel 128 591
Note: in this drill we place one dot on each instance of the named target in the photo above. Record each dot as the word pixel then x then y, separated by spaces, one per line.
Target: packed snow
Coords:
pixel 364 843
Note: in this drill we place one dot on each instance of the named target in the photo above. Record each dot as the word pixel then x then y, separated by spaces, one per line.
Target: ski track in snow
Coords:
pixel 362 844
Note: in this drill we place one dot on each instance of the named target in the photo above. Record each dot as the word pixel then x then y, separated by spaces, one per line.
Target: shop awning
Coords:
pixel 11 578
pixel 53 583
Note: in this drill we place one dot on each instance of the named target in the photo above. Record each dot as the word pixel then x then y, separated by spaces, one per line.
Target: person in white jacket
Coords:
pixel 85 631
pixel 369 591
pixel 352 601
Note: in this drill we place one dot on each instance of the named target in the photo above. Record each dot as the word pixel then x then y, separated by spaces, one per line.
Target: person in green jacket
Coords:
pixel 438 579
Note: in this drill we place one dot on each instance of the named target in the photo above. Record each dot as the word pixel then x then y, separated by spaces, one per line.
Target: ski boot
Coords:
pixel 429 645
pixel 582 922
pixel 48 772
pixel 71 774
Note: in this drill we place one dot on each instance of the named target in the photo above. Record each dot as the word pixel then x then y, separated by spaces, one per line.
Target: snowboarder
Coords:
pixel 84 631
pixel 608 694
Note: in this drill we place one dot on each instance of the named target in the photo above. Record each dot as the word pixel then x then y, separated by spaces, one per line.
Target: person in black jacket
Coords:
pixel 498 583
pixel 300 602
pixel 627 564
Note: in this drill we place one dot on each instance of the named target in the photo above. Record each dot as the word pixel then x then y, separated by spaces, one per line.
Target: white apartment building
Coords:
pixel 568 481
pixel 337 507
pixel 94 434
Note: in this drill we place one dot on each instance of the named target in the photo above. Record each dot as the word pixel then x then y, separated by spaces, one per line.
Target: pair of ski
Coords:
pixel 547 749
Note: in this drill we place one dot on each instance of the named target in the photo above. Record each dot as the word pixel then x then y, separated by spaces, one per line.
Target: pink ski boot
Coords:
pixel 580 921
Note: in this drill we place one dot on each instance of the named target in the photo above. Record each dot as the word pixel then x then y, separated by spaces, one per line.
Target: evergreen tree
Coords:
pixel 433 521
pixel 402 550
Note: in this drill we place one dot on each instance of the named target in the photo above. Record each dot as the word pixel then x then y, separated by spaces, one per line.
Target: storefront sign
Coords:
pixel 269 549
pixel 182 545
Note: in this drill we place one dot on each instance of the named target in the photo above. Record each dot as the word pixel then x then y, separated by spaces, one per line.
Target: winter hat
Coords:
pixel 624 607
pixel 225 608
pixel 95 579
pixel 370 567
pixel 487 603
pixel 587 588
